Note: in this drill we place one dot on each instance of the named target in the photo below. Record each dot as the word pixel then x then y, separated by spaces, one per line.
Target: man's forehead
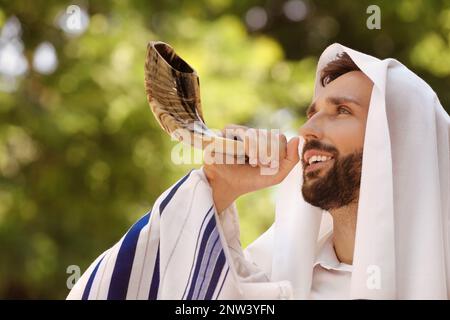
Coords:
pixel 354 84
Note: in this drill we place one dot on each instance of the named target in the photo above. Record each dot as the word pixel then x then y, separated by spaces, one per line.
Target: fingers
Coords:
pixel 234 132
pixel 287 163
pixel 251 146
pixel 264 148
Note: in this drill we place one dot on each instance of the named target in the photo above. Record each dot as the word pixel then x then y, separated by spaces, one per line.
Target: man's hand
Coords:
pixel 262 170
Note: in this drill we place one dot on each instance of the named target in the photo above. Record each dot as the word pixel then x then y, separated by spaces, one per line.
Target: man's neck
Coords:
pixel 344 230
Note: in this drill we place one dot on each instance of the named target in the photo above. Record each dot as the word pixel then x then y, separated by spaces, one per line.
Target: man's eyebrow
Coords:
pixel 342 99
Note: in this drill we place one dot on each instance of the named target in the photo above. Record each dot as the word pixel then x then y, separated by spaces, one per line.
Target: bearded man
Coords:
pixel 362 210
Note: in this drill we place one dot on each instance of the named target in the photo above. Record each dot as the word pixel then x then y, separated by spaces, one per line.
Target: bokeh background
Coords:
pixel 81 156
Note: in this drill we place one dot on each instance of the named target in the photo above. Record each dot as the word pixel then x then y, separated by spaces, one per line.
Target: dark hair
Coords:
pixel 336 68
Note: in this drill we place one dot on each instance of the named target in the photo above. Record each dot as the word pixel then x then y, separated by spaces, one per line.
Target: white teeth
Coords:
pixel 318 158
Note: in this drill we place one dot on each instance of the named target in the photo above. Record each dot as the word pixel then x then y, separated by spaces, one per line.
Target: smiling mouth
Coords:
pixel 318 163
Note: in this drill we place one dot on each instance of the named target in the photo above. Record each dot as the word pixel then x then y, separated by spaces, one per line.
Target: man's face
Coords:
pixel 334 140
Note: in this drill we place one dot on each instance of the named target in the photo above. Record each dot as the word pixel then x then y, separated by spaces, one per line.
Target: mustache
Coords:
pixel 317 145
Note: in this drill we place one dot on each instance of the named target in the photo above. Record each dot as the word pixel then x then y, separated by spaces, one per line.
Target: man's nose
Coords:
pixel 311 130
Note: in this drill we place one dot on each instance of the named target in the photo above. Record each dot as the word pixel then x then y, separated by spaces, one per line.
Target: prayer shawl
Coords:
pixel 184 249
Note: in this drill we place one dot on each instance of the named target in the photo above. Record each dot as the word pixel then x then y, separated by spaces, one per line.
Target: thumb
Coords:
pixel 292 156
pixel 286 164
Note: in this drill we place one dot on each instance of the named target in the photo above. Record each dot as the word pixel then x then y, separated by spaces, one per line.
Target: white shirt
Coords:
pixel 331 278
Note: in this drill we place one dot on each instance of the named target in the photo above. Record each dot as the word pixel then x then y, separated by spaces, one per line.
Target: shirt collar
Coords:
pixel 326 257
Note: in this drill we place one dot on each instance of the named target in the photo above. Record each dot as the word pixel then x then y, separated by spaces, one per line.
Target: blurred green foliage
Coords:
pixel 81 157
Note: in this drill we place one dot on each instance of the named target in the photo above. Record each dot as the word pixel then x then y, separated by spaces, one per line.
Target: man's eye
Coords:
pixel 343 110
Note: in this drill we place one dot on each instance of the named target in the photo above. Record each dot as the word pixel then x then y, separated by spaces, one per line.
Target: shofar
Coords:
pixel 173 92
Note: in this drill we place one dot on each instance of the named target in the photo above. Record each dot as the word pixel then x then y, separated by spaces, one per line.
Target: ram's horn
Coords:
pixel 173 92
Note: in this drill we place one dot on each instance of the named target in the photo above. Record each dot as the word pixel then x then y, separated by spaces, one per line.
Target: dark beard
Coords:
pixel 339 187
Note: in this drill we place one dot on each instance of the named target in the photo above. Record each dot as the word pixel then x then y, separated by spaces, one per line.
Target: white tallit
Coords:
pixel 403 213
pixel 183 249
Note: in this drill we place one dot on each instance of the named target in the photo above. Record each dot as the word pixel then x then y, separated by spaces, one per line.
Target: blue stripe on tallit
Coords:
pixel 207 272
pixel 87 288
pixel 124 263
pixel 223 282
pixel 166 201
pixel 196 246
pixel 216 275
pixel 205 280
pixel 154 286
pixel 153 293
pixel 201 252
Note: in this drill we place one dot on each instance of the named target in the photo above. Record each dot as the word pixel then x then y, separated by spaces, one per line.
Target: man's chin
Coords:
pixel 334 185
